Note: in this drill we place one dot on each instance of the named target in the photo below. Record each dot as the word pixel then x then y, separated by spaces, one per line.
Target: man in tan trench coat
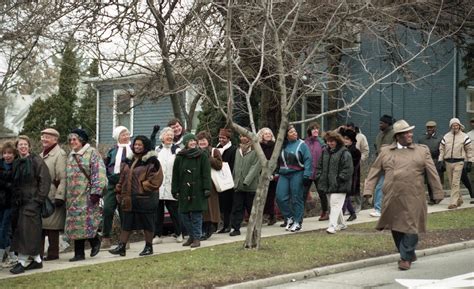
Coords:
pixel 55 158
pixel 404 209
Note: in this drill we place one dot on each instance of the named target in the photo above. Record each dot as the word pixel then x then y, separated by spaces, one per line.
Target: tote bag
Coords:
pixel 222 178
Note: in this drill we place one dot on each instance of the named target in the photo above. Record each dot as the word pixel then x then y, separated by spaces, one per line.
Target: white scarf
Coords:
pixel 224 148
pixel 118 156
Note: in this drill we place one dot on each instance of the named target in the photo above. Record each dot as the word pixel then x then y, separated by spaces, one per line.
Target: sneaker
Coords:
pixel 331 230
pixel 375 214
pixel 296 227
pixel 289 223
pixel 179 239
pixel 158 240
pixel 341 227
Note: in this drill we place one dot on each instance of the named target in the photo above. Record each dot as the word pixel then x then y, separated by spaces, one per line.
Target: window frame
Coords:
pixel 118 92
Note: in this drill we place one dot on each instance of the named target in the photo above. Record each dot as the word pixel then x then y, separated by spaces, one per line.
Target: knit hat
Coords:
pixel 117 131
pixel 187 138
pixel 81 134
pixel 349 134
pixel 387 119
pixel 455 120
pixel 50 131
pixel 225 132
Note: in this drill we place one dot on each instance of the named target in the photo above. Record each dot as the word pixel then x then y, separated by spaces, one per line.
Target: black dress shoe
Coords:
pixel 34 265
pixel 223 231
pixel 234 233
pixel 96 248
pixel 77 258
pixel 18 269
pixel 352 217
pixel 119 250
pixel 284 224
pixel 148 250
pixel 47 258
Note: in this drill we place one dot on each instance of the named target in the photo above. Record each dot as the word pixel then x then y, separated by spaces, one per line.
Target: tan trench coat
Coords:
pixel 404 204
pixel 56 162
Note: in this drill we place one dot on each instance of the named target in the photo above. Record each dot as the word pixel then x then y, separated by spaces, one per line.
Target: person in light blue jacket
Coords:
pixel 295 168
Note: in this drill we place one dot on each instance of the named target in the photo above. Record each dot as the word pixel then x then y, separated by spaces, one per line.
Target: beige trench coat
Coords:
pixel 56 162
pixel 404 203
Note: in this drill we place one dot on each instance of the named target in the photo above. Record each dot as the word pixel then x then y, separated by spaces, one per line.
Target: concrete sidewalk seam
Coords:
pixel 343 267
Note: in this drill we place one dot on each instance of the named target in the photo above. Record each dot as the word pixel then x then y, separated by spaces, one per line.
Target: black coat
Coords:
pixel 31 184
pixel 6 179
pixel 229 155
pixel 335 171
pixel 356 155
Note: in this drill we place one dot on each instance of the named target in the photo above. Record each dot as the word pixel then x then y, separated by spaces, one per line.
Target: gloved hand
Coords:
pixel 207 193
pixel 156 128
pixel 94 198
pixel 58 203
pixel 468 167
pixel 440 166
pixel 307 182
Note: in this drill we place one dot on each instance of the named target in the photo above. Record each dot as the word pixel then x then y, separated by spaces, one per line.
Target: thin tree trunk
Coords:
pixel 254 228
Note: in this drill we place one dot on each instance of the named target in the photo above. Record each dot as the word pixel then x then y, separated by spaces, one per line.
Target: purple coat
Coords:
pixel 315 145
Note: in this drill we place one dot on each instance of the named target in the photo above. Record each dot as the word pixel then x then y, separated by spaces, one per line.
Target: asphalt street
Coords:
pixel 458 266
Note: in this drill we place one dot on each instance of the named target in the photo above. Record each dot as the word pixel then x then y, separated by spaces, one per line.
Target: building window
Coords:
pixel 123 108
pixel 470 99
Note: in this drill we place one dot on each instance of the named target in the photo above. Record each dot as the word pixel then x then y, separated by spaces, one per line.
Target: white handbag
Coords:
pixel 222 178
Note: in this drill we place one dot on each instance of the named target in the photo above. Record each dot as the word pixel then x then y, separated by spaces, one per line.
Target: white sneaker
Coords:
pixel 289 223
pixel 375 214
pixel 157 240
pixel 179 239
pixel 296 227
pixel 341 227
pixel 331 230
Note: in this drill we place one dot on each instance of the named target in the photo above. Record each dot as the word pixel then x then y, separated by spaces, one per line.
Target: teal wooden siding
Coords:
pixel 145 114
pixel 431 98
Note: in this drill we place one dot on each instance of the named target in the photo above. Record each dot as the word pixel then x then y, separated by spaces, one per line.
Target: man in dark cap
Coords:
pixel 385 137
pixel 431 139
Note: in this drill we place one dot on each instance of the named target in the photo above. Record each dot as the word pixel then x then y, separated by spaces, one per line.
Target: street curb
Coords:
pixel 338 268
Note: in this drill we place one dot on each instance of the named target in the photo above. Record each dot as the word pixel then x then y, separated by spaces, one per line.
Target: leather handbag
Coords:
pixel 47 209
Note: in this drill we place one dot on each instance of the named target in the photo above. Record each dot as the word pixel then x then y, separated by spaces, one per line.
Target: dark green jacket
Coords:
pixel 335 169
pixel 191 177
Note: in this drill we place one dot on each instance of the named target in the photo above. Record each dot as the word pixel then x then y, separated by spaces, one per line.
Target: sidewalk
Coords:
pixel 169 244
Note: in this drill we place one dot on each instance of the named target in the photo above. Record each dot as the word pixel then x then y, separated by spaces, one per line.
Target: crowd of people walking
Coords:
pixel 209 190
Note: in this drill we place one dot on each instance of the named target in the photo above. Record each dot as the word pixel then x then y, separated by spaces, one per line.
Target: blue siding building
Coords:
pixel 434 97
pixel 117 105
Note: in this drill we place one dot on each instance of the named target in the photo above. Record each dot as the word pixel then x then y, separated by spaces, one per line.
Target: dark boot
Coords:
pixel 188 242
pixel 119 250
pixel 195 244
pixel 95 246
pixel 148 250
pixel 272 220
pixel 324 216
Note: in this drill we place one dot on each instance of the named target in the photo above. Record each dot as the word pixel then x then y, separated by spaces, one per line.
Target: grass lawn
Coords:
pixel 230 263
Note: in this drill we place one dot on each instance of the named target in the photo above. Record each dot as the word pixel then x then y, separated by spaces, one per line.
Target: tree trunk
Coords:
pixel 254 228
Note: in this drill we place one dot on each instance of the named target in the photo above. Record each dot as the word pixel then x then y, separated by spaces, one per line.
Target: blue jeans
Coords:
pixel 5 227
pixel 289 195
pixel 192 221
pixel 378 197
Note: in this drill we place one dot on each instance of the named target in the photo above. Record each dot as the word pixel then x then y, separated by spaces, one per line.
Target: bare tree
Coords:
pixel 302 47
